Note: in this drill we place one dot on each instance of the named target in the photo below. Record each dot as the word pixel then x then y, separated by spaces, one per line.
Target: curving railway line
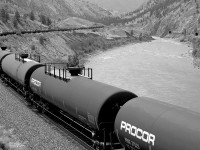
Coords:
pixel 19 32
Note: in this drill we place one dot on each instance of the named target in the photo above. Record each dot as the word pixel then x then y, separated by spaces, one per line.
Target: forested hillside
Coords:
pixel 59 9
pixel 161 16
pixel 68 47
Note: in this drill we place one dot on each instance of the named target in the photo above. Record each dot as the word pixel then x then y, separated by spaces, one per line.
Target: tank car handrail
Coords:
pixel 18 56
pixel 50 69
pixel 89 73
pixel 92 132
pixel 35 57
pixel 62 76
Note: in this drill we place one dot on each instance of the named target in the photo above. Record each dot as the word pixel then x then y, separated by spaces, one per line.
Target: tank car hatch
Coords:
pixel 23 55
pixel 3 48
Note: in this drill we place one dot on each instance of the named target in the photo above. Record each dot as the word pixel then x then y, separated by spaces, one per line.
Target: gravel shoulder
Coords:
pixel 23 129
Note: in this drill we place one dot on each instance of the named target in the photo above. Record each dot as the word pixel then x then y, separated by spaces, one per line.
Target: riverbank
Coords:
pixel 71 48
pixel 93 46
pixel 161 69
pixel 191 41
pixel 196 51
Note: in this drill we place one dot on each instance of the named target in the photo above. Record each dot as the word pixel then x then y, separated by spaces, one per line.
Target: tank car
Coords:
pixel 17 70
pixel 3 54
pixel 92 103
pixel 148 124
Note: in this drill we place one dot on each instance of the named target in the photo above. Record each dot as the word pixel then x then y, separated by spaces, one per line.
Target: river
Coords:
pixel 161 69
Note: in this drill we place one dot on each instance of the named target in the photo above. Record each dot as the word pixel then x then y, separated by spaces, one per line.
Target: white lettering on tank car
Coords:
pixel 138 133
pixel 36 82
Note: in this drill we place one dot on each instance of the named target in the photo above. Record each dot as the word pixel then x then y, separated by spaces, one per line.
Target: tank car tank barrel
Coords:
pixel 144 123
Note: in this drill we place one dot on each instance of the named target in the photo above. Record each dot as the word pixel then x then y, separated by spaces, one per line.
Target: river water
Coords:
pixel 161 69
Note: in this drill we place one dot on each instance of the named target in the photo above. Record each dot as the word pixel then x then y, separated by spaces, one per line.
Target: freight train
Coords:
pixel 111 117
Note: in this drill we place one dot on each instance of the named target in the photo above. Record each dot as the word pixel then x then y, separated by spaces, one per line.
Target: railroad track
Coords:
pixel 59 123
pixel 69 129
pixel 20 32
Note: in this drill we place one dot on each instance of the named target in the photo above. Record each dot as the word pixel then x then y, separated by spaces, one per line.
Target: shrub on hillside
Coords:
pixel 73 60
pixel 4 16
pixel 196 47
pixel 33 47
pixel 45 20
pixel 17 16
pixel 15 23
pixel 48 21
pixel 32 16
pixel 42 40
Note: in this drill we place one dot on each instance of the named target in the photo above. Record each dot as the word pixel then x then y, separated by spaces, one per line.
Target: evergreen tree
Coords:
pixel 4 15
pixel 197 8
pixel 140 36
pixel 48 21
pixel 17 16
pixel 15 22
pixel 32 16
pixel 43 19
pixel 184 32
pixel 195 32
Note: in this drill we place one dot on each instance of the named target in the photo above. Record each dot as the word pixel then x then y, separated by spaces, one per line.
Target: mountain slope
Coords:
pixel 160 16
pixel 171 18
pixel 119 5
pixel 62 9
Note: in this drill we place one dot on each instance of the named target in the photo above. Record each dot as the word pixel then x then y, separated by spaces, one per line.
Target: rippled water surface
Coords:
pixel 160 69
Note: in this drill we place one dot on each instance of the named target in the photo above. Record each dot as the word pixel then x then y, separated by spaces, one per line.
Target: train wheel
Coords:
pixel 41 106
pixel 30 99
pixel 39 109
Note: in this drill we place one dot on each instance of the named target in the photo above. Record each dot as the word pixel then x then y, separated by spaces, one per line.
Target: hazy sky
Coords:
pixel 119 5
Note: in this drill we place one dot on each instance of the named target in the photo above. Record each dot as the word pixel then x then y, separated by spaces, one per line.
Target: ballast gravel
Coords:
pixel 23 129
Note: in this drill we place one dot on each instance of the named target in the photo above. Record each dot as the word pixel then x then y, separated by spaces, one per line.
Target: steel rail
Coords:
pixel 47 30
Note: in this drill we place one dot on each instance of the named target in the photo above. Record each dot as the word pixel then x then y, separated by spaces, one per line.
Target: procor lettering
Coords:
pixel 36 82
pixel 138 133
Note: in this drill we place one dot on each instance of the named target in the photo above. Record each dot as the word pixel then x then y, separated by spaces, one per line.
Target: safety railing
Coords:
pixel 23 56
pixel 35 57
pixel 58 70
